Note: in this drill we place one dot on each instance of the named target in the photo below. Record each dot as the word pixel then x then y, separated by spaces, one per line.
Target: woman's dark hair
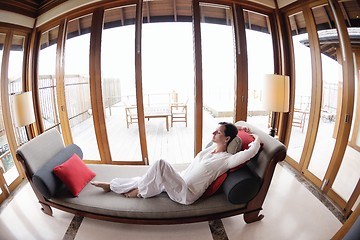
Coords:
pixel 230 130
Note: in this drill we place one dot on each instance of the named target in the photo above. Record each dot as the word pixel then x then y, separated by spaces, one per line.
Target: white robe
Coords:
pixel 189 185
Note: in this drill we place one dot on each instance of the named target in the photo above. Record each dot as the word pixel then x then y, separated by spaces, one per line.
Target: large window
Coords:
pixel 77 86
pixel 331 97
pixel 323 144
pixel 168 87
pixel 303 87
pixel 218 65
pixel 118 83
pixel 348 176
pixel 15 86
pixel 12 49
pixel 47 79
pixel 260 55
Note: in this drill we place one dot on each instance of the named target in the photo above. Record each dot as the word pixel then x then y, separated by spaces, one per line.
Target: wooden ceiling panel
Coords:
pixel 30 8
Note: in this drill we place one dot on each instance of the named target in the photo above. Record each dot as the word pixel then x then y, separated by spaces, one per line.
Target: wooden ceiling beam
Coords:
pixel 327 17
pixel 78 26
pixel 295 24
pixel 122 17
pixel 147 9
pixel 345 13
pixel 228 16
pixel 175 10
pixel 249 20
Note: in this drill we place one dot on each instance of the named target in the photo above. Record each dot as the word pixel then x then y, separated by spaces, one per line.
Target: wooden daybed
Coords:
pixel 243 192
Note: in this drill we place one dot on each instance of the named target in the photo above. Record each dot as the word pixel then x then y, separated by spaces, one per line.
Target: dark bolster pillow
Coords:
pixel 45 181
pixel 241 186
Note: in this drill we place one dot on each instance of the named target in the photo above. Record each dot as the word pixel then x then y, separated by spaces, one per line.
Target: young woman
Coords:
pixel 189 185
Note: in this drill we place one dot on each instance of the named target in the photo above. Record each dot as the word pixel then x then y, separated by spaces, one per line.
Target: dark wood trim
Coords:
pixel 21 29
pixel 138 82
pixel 30 8
pixel 277 28
pixel 241 84
pixel 198 106
pixel 95 85
pixel 291 72
pixel 60 83
pixel 85 10
pixel 35 84
pixel 285 45
pixel 30 68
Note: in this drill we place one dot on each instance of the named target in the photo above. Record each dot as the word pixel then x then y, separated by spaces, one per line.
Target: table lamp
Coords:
pixel 23 110
pixel 275 96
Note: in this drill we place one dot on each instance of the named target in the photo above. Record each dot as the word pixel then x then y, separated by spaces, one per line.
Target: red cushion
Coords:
pixel 214 186
pixel 246 139
pixel 74 174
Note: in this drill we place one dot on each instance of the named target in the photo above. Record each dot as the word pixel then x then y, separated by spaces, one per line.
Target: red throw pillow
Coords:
pixel 246 138
pixel 74 174
pixel 214 186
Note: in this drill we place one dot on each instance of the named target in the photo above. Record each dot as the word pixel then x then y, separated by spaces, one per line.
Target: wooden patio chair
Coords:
pixel 179 112
pixel 131 115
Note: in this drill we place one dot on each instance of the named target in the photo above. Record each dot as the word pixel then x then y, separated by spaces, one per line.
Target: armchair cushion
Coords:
pixel 45 180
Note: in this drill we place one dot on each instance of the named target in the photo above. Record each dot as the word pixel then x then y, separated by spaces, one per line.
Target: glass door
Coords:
pixel 168 83
pixel 15 83
pixel 331 99
pixel 303 86
pixel 47 79
pixel 260 55
pixel 319 145
pixel 345 183
pixel 77 86
pixel 11 65
pixel 218 66
pixel 118 83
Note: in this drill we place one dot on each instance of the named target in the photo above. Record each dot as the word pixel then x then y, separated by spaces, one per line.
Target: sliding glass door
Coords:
pixel 218 66
pixel 168 84
pixel 260 55
pixel 118 83
pixel 77 86
pixel 12 52
pixel 324 130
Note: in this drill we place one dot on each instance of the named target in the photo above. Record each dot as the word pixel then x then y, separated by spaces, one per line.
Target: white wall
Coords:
pixel 17 19
pixel 61 9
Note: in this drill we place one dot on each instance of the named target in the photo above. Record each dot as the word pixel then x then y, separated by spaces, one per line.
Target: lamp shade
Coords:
pixel 23 109
pixel 275 93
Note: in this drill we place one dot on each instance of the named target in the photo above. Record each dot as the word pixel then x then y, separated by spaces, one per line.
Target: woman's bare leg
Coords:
pixel 132 194
pixel 104 185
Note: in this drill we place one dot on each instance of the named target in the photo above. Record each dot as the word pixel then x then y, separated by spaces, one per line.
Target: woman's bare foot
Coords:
pixel 132 194
pixel 105 186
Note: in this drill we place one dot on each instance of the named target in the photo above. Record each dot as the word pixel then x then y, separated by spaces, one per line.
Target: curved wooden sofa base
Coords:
pixel 249 216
